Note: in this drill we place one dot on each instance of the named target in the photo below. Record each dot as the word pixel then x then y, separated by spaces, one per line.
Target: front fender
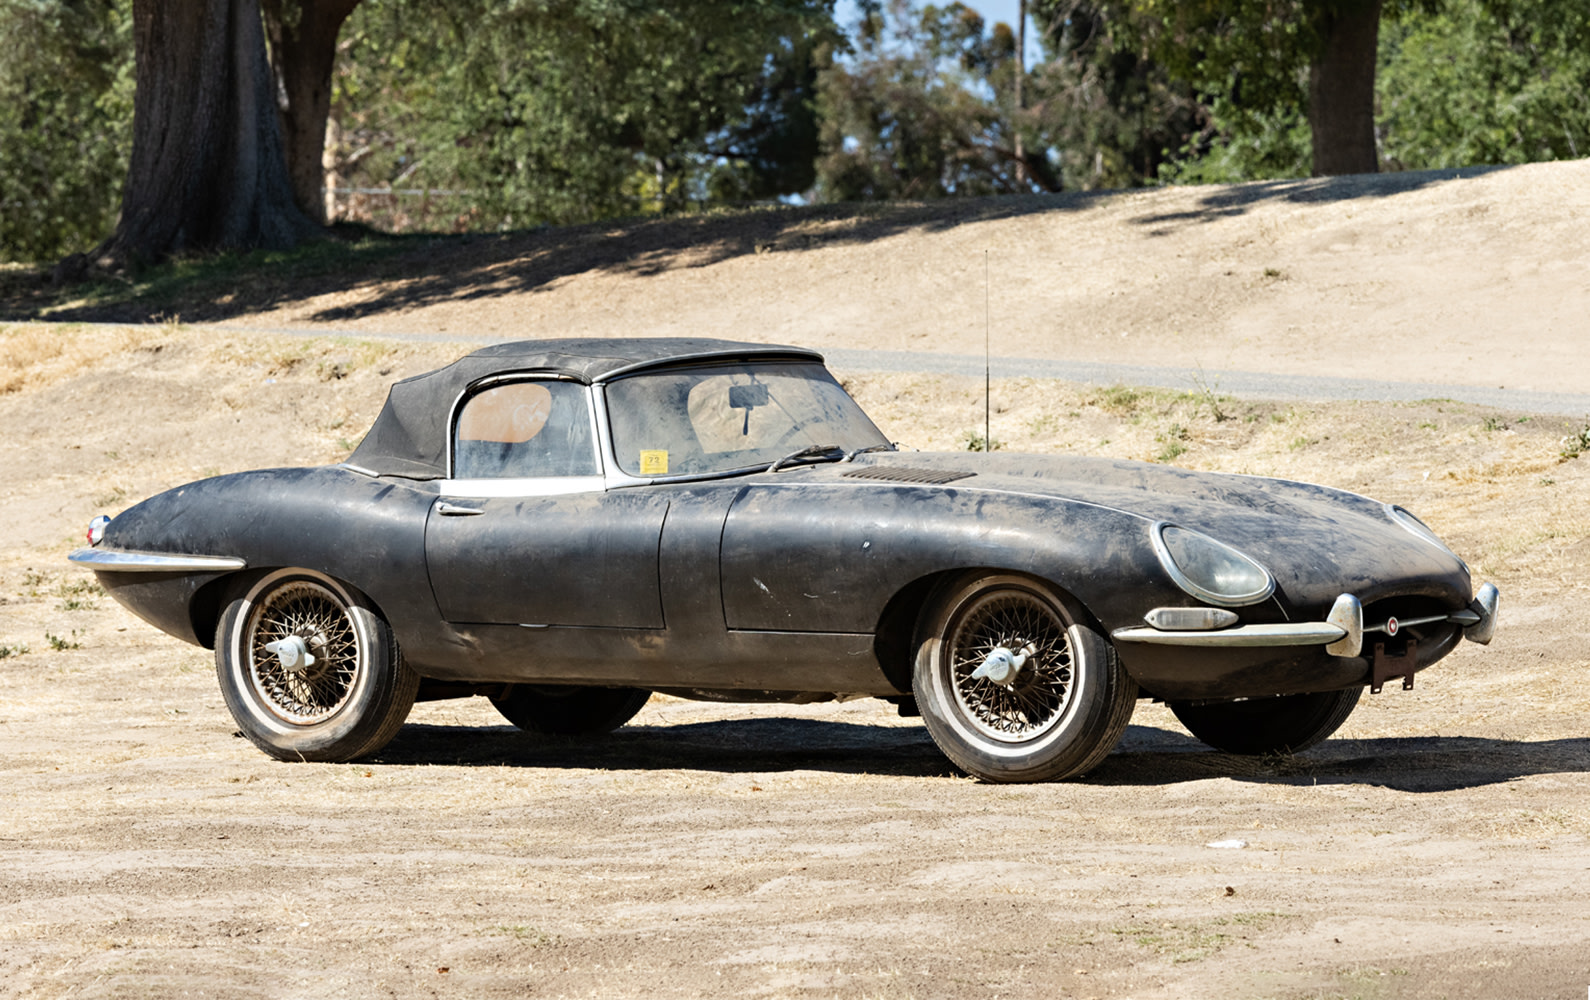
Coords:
pixel 365 531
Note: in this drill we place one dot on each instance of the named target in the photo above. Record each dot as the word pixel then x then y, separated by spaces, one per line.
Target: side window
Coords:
pixel 525 429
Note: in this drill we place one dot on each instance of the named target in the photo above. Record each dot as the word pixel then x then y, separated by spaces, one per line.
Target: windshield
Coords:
pixel 726 418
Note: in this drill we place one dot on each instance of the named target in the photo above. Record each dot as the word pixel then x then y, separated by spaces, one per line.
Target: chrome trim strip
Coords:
pixel 519 486
pixel 149 562
pixel 1403 623
pixel 1283 634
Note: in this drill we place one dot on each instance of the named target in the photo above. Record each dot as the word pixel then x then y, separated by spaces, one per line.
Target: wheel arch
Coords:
pixel 898 630
pixel 210 600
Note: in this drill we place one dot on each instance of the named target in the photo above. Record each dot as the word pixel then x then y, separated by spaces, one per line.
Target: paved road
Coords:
pixel 1259 385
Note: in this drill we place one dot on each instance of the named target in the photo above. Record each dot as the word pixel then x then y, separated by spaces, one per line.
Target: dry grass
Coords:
pixel 40 354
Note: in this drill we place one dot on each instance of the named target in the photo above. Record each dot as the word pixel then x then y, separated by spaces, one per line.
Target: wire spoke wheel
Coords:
pixel 309 668
pixel 1011 685
pixel 1036 699
pixel 308 611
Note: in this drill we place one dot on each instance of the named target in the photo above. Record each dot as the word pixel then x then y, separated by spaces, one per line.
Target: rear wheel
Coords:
pixel 310 671
pixel 552 710
pixel 1012 687
pixel 1284 724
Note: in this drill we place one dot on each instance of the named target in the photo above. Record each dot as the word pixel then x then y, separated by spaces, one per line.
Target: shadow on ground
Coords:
pixel 1408 764
pixel 1146 756
pixel 1225 201
pixel 382 275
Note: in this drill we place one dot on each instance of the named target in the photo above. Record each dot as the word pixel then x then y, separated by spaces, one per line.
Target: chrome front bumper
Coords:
pixel 1341 633
pixel 116 561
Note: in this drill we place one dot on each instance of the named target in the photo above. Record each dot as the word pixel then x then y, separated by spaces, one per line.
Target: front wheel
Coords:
pixel 310 671
pixel 552 710
pixel 1283 724
pixel 1012 687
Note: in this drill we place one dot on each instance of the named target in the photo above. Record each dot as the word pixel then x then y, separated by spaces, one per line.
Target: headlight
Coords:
pixel 1209 570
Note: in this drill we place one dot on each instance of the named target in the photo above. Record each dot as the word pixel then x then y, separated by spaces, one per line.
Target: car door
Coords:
pixel 524 533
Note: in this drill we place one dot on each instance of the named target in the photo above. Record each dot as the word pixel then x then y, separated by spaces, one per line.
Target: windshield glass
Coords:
pixel 725 418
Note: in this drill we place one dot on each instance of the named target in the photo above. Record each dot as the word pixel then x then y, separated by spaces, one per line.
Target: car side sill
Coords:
pixel 149 562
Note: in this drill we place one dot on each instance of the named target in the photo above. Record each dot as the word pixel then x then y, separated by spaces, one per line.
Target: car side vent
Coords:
pixel 904 474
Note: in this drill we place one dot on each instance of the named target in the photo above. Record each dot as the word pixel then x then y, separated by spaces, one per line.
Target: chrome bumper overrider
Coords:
pixel 150 562
pixel 1341 633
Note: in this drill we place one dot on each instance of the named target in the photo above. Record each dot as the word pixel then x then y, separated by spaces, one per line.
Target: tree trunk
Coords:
pixel 1341 89
pixel 207 170
pixel 303 37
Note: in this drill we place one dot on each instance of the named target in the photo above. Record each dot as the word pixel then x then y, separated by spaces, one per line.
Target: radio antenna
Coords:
pixel 988 436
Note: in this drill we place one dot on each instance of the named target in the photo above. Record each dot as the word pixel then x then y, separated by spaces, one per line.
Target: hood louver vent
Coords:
pixel 904 474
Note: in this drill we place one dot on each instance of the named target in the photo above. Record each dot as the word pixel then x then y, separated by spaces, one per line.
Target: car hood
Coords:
pixel 1317 541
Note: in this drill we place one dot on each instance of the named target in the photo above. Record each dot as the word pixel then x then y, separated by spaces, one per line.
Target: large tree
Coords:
pixel 1341 86
pixel 207 169
pixel 303 37
pixel 1266 57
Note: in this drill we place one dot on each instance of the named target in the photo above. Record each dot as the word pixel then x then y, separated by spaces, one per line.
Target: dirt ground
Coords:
pixel 1438 847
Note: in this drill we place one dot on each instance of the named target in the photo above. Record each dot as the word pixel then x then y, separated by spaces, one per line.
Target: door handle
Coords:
pixel 443 507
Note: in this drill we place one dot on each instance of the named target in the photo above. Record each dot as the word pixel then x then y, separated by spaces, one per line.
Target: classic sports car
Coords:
pixel 565 526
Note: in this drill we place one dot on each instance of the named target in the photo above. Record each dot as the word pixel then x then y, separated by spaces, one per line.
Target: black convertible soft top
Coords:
pixel 409 437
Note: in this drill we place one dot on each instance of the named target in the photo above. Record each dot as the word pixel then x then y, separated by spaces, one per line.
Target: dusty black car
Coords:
pixel 566 526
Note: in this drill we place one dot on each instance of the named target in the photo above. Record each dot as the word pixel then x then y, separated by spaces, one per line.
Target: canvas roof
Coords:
pixel 409 437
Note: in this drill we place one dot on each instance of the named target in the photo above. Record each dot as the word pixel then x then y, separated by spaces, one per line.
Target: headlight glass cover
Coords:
pixel 1209 570
pixel 1417 526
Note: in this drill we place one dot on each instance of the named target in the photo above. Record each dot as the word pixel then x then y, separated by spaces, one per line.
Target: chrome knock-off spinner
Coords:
pixel 292 652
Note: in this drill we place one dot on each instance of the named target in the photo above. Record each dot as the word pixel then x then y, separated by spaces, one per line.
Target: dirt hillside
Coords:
pixel 1469 277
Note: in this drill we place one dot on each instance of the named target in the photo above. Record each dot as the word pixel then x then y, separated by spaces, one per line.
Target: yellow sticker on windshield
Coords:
pixel 654 463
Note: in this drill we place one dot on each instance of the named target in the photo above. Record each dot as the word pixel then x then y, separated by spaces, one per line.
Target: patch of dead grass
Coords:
pixel 40 354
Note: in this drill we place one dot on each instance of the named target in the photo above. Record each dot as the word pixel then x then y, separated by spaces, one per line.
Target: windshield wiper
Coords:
pixel 826 452
pixel 851 456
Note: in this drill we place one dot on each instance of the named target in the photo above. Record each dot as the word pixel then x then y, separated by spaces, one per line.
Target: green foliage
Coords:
pixel 66 84
pixel 1486 82
pixel 1174 441
pixel 1247 65
pixel 1110 110
pixel 973 441
pixel 1577 443
pixel 513 113
pixel 61 644
pixel 1237 145
pixel 910 110
pixel 570 110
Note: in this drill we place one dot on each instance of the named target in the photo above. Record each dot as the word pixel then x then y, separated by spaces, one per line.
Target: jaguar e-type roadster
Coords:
pixel 566 526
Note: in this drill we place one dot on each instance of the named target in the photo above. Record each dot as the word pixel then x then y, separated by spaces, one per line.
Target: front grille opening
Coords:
pixel 1405 610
